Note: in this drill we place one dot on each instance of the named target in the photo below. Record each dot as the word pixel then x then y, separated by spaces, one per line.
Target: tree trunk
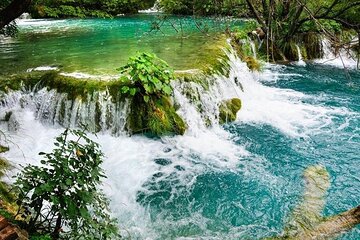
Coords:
pixel 257 15
pixel 13 11
pixel 56 233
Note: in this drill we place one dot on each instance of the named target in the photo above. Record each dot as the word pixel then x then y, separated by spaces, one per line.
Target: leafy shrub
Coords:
pixel 64 191
pixel 146 80
pixel 147 75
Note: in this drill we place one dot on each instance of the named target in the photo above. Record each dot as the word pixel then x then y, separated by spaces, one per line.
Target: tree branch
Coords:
pixel 13 11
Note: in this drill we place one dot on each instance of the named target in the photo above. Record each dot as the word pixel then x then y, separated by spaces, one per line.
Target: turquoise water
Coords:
pixel 100 46
pixel 238 181
pixel 254 199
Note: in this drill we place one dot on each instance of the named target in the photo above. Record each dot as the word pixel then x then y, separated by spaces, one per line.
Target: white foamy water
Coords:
pixel 300 61
pixel 42 68
pixel 284 109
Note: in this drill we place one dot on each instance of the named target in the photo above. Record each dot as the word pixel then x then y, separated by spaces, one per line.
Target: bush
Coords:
pixel 64 191
pixel 147 82
pixel 147 75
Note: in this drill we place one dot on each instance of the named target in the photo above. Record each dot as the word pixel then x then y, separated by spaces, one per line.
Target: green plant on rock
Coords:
pixel 146 80
pixel 61 197
pixel 5 194
pixel 146 75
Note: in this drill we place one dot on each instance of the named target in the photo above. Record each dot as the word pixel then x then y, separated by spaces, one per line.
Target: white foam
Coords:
pixel 42 68
pixel 284 109
pixel 81 75
pixel 38 22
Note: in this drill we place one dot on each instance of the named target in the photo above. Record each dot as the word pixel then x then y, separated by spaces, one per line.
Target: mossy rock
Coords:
pixel 228 110
pixel 313 45
pixel 157 117
pixel 5 193
pixel 290 51
pixel 3 149
pixel 252 63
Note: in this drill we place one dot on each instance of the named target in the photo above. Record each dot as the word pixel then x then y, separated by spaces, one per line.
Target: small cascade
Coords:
pixel 25 16
pixel 300 58
pixel 253 48
pixel 340 59
pixel 153 9
pixel 98 112
pixel 328 52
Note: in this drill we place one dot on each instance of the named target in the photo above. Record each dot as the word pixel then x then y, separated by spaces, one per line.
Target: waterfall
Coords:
pixel 340 59
pixel 98 112
pixel 198 103
pixel 153 9
pixel 253 48
pixel 300 58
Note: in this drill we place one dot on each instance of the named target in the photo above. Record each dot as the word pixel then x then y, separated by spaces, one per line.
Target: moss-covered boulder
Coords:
pixel 290 51
pixel 158 117
pixel 228 110
pixel 313 45
pixel 252 63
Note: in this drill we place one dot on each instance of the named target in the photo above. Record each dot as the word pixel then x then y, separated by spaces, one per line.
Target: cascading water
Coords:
pixel 253 48
pixel 300 58
pixel 98 112
pixel 235 181
pixel 341 59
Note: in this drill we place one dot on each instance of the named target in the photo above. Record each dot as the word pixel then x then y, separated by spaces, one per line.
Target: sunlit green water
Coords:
pixel 99 46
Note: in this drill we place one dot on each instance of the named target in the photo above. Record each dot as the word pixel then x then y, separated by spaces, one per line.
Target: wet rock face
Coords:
pixel 228 110
pixel 9 231
pixel 13 123
pixel 11 120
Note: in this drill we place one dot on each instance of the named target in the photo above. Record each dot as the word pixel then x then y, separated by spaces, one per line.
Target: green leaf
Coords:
pixel 132 91
pixel 146 98
pixel 167 90
pixel 125 89
pixel 68 182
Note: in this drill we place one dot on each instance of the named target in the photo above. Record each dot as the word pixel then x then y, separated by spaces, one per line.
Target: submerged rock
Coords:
pixel 306 221
pixel 228 110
